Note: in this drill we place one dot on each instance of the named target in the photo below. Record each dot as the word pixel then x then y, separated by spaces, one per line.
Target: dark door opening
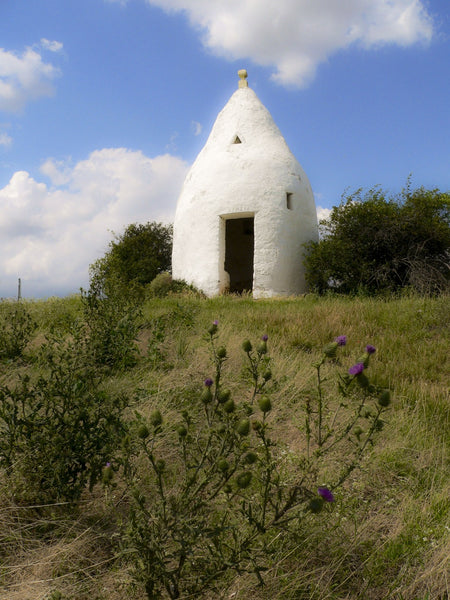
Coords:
pixel 239 250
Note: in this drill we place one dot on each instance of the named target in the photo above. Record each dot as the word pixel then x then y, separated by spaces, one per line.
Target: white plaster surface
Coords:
pixel 251 178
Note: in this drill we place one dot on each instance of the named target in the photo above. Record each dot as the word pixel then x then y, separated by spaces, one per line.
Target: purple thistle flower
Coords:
pixel 216 322
pixel 356 369
pixel 370 349
pixel 108 464
pixel 326 494
pixel 265 337
pixel 341 340
pixel 208 382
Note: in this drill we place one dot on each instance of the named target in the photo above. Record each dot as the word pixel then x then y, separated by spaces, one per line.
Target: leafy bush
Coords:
pixel 215 491
pixel 134 259
pixel 16 329
pixel 111 328
pixel 57 434
pixel 161 285
pixel 373 242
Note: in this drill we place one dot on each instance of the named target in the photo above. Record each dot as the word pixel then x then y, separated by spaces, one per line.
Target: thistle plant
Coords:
pixel 215 491
pixel 348 426
pixel 258 365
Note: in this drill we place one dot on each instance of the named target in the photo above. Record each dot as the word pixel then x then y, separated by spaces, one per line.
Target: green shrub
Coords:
pixel 161 285
pixel 111 328
pixel 134 259
pixel 375 243
pixel 57 433
pixel 16 329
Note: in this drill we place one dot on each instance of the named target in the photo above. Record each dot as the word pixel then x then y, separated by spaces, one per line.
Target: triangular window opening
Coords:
pixel 237 140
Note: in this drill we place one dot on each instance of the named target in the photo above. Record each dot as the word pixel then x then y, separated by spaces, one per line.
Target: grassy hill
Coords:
pixel 385 536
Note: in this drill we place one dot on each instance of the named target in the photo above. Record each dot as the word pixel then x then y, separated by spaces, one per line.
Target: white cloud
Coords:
pixel 50 234
pixel 58 171
pixel 24 78
pixel 172 145
pixel 323 213
pixel 295 36
pixel 197 127
pixel 5 139
pixel 53 46
pixel 121 2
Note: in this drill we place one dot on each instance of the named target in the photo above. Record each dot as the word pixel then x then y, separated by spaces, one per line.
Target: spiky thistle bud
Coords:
pixel 250 458
pixel 222 352
pixel 315 505
pixel 384 399
pixel 330 350
pixel 267 375
pixel 206 396
pixel 156 418
pixel 247 346
pixel 243 479
pixel 243 427
pixel 143 432
pixel 182 431
pixel 223 395
pixel 229 406
pixel 364 359
pixel 213 328
pixel 262 348
pixel 265 404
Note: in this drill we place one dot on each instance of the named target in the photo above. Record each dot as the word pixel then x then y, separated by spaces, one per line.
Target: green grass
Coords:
pixel 388 534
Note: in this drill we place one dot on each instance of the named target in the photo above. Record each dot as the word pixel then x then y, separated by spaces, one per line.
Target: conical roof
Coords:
pixel 244 136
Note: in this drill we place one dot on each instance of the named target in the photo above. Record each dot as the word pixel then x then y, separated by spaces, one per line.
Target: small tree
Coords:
pixel 134 258
pixel 378 243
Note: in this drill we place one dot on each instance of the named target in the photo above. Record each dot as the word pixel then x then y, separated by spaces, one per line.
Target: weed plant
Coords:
pixel 216 501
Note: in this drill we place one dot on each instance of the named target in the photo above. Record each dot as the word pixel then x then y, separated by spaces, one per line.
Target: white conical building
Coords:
pixel 246 207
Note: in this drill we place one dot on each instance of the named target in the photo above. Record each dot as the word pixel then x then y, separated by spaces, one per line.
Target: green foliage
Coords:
pixel 57 433
pixel 110 328
pixel 134 259
pixel 161 285
pixel 214 494
pixel 372 243
pixel 16 329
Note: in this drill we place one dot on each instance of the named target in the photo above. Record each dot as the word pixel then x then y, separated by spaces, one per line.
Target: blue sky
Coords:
pixel 104 105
